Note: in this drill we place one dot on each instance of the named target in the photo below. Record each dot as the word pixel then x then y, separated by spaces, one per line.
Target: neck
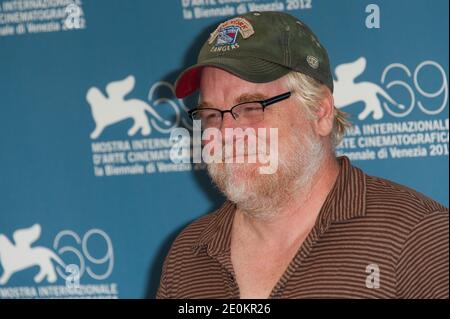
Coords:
pixel 297 216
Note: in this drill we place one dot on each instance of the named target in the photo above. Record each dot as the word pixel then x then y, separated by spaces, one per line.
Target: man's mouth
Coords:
pixel 245 155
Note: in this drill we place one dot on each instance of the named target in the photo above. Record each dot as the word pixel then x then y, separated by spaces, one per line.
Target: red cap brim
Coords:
pixel 188 82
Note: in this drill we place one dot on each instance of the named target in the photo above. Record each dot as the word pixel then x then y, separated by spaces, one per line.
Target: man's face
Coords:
pixel 298 146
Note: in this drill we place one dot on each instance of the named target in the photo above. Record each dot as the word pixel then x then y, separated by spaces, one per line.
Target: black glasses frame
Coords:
pixel 264 104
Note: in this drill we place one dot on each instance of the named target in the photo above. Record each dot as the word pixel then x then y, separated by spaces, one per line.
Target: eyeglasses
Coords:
pixel 246 113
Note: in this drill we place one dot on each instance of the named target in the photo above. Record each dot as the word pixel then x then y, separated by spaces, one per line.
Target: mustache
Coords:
pixel 241 147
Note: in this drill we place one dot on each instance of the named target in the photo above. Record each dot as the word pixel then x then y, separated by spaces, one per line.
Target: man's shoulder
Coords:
pixel 191 233
pixel 399 199
pixel 199 229
pixel 416 229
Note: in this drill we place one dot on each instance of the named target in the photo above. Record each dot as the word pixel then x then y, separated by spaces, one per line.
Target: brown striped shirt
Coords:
pixel 372 239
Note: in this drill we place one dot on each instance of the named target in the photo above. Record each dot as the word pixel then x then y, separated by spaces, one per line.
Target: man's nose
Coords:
pixel 228 121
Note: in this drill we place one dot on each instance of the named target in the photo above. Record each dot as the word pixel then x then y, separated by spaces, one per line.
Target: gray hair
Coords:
pixel 310 92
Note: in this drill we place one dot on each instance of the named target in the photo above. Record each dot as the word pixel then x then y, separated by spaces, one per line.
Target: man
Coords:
pixel 318 226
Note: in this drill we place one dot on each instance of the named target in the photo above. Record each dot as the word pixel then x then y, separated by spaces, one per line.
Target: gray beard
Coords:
pixel 264 195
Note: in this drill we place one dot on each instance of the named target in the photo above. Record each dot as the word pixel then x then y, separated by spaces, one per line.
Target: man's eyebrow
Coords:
pixel 204 104
pixel 249 97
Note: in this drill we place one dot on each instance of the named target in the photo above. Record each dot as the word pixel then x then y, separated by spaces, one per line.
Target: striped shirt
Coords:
pixel 372 239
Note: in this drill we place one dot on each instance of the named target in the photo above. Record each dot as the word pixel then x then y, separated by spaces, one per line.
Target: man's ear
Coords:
pixel 325 115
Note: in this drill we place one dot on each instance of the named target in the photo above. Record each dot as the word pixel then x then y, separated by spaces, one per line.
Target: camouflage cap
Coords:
pixel 259 47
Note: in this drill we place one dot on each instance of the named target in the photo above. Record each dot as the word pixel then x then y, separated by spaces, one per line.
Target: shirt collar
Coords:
pixel 346 200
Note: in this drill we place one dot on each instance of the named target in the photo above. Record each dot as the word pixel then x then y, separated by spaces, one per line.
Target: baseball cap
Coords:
pixel 259 47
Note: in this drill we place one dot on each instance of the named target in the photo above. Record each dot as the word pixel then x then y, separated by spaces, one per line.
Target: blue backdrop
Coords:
pixel 87 104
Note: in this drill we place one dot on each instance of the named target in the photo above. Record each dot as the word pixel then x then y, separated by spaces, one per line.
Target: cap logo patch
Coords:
pixel 312 61
pixel 226 34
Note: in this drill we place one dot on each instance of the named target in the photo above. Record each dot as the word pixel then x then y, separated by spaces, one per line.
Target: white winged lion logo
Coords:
pixel 347 91
pixel 20 255
pixel 113 108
